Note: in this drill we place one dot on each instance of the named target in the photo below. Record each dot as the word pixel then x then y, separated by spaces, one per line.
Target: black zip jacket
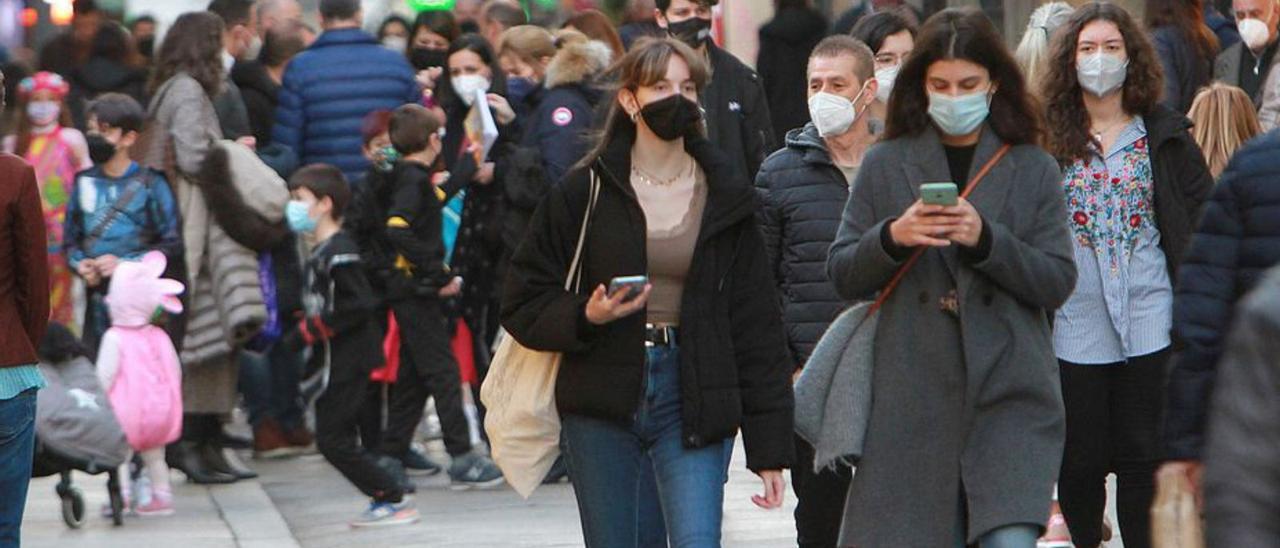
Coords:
pixel 339 321
pixel 1182 182
pixel 734 368
pixel 414 226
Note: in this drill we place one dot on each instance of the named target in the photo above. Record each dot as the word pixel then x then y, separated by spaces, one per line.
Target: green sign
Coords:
pixel 431 5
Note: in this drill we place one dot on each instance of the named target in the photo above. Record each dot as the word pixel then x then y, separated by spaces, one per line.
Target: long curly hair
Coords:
pixel 964 34
pixel 1063 96
pixel 194 46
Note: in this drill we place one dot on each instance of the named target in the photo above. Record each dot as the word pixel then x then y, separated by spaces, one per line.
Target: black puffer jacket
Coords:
pixel 803 196
pixel 734 372
pixel 1238 240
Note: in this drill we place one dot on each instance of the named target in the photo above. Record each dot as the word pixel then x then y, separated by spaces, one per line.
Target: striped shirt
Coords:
pixel 16 380
pixel 1122 306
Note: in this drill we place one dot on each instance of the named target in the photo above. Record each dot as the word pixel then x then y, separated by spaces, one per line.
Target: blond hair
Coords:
pixel 1033 51
pixel 531 44
pixel 1224 119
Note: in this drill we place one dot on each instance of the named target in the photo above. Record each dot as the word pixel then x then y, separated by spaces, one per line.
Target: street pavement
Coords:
pixel 304 502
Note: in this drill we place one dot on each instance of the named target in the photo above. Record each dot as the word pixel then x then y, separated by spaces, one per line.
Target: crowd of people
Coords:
pixel 1058 239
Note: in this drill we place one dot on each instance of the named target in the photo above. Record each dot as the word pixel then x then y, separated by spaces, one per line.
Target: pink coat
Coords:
pixel 137 360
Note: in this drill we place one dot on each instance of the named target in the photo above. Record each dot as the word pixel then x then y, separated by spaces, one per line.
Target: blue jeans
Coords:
pixel 1022 535
pixel 269 383
pixel 17 447
pixel 633 483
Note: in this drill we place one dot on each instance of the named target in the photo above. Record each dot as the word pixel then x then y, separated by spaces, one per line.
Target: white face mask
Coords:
pixel 467 85
pixel 885 77
pixel 1101 73
pixel 254 48
pixel 1254 33
pixel 43 113
pixel 397 44
pixel 833 114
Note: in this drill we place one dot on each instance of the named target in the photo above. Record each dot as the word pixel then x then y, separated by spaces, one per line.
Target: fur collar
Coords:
pixel 242 223
pixel 578 63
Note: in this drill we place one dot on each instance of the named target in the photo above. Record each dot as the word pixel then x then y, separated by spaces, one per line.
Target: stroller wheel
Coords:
pixel 73 508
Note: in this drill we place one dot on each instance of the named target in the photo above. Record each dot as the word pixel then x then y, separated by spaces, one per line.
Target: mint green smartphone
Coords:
pixel 941 194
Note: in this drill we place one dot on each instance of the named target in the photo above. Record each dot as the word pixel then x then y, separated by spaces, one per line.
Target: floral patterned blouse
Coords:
pixel 1122 305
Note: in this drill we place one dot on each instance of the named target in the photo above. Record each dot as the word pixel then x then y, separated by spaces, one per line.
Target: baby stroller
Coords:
pixel 75 426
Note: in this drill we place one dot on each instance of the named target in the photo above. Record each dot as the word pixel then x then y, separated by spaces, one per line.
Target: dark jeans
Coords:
pixel 337 433
pixel 427 368
pixel 820 507
pixel 270 384
pixel 17 447
pixel 1114 413
pixel 630 480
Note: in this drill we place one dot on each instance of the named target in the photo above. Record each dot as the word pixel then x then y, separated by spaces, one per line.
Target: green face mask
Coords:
pixel 385 158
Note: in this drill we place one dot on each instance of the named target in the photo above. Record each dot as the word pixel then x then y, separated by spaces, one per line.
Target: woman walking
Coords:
pixel 656 380
pixel 1134 181
pixel 966 425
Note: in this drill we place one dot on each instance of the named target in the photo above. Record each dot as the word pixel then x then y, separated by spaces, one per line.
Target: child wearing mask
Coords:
pixel 46 140
pixel 338 327
pixel 118 210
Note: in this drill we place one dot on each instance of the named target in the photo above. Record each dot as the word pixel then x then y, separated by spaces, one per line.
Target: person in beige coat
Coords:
pixel 224 298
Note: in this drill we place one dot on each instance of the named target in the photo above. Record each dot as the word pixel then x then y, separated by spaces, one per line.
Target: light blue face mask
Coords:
pixel 959 115
pixel 298 214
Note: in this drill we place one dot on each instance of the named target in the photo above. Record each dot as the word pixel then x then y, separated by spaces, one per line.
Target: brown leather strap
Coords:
pixel 915 255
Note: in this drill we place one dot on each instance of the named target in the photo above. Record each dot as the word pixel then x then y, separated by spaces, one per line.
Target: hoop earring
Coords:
pixel 635 117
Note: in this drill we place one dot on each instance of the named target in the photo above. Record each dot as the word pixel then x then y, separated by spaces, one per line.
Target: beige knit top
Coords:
pixel 673 217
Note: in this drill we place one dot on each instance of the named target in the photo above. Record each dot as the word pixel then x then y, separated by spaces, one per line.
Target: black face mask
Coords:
pixel 146 46
pixel 425 58
pixel 694 32
pixel 100 150
pixel 672 118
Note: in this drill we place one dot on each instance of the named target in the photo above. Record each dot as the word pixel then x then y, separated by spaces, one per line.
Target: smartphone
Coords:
pixel 942 194
pixel 633 285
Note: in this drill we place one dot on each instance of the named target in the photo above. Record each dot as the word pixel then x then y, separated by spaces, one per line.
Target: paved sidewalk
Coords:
pixel 239 515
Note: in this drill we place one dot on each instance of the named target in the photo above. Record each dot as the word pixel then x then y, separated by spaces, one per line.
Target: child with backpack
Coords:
pixel 138 367
pixel 118 210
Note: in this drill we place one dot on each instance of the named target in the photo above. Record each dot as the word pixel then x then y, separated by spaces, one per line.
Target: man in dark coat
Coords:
pixel 259 79
pixel 329 88
pixel 803 189
pixel 1244 64
pixel 785 43
pixel 734 100
pixel 1238 240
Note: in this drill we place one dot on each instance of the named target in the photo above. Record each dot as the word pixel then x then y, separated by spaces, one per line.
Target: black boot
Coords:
pixel 185 456
pixel 215 459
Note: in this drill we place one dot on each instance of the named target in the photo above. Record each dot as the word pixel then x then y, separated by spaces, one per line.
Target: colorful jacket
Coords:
pixel 149 221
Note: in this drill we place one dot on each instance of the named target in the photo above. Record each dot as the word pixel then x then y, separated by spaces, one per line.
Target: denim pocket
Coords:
pixel 16 415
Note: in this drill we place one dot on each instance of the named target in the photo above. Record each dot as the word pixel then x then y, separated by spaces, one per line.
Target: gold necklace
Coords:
pixel 1098 135
pixel 652 180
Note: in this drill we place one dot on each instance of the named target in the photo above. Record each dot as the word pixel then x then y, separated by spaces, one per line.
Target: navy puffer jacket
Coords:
pixel 329 89
pixel 802 199
pixel 1237 241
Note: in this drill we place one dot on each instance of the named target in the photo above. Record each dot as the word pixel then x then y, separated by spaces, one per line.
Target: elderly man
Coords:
pixel 1247 63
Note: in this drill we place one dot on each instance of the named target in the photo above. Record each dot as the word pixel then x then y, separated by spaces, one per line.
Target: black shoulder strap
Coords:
pixel 117 208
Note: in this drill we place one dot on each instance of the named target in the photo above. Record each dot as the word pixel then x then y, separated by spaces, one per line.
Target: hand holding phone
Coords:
pixel 618 302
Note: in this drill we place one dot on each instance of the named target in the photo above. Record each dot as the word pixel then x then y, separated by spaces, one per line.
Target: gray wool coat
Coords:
pixel 972 403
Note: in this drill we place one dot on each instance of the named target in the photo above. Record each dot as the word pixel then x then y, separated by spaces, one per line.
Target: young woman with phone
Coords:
pixel 653 387
pixel 1135 181
pixel 966 425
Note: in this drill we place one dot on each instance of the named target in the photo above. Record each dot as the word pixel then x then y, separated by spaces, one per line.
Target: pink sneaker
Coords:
pixel 157 507
pixel 1056 534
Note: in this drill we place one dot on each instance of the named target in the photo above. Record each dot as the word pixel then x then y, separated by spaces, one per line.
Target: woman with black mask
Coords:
pixel 659 376
pixel 433 31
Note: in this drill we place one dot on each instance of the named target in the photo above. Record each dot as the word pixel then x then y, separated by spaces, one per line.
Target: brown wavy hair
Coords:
pixel 1063 96
pixel 964 34
pixel 193 45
